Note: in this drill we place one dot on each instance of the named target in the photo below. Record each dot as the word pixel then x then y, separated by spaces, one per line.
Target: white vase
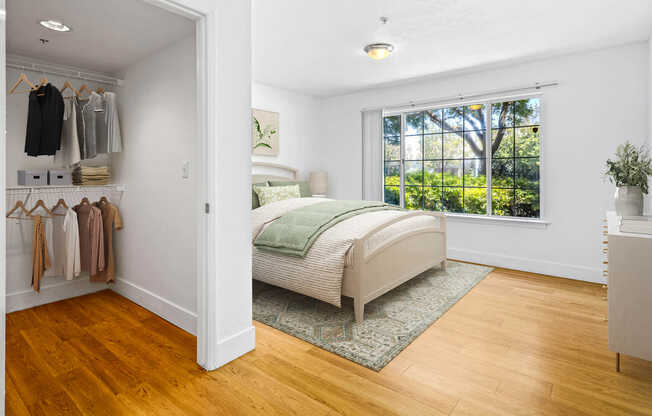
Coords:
pixel 629 201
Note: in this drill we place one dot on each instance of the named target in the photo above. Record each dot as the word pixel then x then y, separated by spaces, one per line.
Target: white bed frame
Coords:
pixel 374 272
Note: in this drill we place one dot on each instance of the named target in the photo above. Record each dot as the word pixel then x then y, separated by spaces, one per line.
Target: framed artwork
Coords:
pixel 265 133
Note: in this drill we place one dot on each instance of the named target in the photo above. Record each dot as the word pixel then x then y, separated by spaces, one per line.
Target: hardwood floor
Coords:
pixel 516 344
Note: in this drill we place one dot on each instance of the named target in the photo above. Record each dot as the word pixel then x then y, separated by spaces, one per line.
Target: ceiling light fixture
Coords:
pixel 379 50
pixel 55 25
pixel 475 107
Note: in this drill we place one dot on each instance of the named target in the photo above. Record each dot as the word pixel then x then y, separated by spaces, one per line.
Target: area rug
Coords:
pixel 391 322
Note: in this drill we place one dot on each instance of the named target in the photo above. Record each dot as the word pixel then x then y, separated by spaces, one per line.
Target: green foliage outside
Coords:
pixel 445 167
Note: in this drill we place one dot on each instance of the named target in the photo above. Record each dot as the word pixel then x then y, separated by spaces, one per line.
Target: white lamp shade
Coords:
pixel 318 183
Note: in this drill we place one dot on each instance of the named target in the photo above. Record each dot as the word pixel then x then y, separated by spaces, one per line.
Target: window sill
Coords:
pixel 511 221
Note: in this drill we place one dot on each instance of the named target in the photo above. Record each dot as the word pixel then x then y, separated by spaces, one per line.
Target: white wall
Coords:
pixel 156 250
pixel 299 125
pixel 602 100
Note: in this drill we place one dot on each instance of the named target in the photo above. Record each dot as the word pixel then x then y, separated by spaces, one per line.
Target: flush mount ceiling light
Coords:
pixel 379 50
pixel 55 25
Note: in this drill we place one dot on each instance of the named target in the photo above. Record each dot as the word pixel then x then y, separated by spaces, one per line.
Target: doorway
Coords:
pixel 219 339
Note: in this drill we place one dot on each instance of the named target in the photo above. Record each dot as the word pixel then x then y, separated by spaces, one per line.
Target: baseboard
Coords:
pixel 568 271
pixel 234 346
pixel 54 292
pixel 170 311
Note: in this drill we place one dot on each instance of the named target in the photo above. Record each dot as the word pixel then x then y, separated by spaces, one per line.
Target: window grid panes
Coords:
pixel 445 154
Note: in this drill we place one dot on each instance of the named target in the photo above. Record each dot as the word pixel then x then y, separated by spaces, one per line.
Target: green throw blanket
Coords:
pixel 295 232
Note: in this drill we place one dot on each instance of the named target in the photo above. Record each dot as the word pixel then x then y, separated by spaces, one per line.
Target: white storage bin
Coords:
pixel 32 177
pixel 59 177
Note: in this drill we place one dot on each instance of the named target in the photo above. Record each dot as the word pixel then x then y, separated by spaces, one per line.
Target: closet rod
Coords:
pixel 118 188
pixel 68 73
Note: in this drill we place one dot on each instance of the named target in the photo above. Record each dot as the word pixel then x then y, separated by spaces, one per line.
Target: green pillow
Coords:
pixel 255 202
pixel 269 194
pixel 304 187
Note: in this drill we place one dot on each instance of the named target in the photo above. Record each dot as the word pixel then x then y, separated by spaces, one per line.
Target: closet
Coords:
pixel 124 70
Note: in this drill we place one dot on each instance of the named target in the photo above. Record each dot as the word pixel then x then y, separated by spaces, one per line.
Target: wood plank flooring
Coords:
pixel 517 344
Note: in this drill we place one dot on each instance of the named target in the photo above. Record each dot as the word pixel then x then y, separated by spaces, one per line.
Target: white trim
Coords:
pixel 23 299
pixel 3 160
pixel 231 348
pixel 569 271
pixel 515 221
pixel 170 311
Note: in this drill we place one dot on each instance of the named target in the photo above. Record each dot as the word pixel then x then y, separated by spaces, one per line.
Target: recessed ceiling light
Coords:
pixel 55 25
pixel 378 50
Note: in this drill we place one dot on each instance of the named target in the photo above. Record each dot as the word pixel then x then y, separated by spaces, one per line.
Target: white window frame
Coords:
pixel 488 135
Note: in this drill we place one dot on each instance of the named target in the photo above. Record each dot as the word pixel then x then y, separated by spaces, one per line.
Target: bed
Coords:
pixel 362 257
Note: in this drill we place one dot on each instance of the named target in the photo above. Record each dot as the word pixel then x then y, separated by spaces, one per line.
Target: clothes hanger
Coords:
pixel 84 201
pixel 22 78
pixel 60 203
pixel 100 90
pixel 44 81
pixel 82 89
pixel 103 200
pixel 65 87
pixel 19 205
pixel 41 204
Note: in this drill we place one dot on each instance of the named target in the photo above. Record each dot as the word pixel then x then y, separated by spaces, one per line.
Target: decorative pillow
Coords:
pixel 268 194
pixel 304 187
pixel 255 203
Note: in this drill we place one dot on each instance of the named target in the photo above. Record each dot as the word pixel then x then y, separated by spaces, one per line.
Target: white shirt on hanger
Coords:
pixel 72 263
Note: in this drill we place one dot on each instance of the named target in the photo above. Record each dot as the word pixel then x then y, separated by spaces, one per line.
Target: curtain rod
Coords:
pixel 25 65
pixel 462 97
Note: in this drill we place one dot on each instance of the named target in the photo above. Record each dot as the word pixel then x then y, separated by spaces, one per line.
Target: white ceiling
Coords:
pixel 107 35
pixel 316 46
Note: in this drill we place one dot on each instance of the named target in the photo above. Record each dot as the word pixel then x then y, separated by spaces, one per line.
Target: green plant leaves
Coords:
pixel 631 167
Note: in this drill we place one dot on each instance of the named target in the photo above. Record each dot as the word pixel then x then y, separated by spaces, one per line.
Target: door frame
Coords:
pixel 224 317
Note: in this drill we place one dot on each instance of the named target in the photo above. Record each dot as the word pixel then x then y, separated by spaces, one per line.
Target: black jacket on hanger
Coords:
pixel 44 121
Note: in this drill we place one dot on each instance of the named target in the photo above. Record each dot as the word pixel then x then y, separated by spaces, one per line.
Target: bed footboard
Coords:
pixel 375 271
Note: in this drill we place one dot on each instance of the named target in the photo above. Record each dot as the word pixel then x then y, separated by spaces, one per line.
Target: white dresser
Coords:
pixel 630 292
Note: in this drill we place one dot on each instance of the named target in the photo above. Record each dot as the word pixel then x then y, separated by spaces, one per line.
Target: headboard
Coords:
pixel 267 171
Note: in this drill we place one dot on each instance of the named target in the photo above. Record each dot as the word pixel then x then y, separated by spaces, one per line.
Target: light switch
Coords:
pixel 185 169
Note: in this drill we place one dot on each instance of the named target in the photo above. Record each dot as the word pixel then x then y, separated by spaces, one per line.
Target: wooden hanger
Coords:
pixel 22 78
pixel 60 203
pixel 103 200
pixel 82 89
pixel 65 87
pixel 84 201
pixel 19 205
pixel 41 204
pixel 44 81
pixel 100 90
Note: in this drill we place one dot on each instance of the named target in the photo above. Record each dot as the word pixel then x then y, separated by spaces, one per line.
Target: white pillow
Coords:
pixel 269 194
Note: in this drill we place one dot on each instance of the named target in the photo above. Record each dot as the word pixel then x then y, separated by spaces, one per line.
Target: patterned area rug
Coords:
pixel 391 322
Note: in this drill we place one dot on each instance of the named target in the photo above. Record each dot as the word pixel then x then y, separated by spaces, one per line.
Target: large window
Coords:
pixel 477 159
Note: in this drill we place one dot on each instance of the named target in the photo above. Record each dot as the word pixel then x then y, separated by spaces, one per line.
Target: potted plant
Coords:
pixel 629 171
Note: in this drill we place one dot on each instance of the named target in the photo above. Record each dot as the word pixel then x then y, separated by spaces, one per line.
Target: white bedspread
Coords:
pixel 319 274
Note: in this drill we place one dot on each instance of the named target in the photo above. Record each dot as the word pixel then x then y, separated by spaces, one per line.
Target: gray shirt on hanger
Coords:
pixel 90 112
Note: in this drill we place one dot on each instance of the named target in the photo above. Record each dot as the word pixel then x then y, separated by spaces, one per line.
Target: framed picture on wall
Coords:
pixel 265 138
